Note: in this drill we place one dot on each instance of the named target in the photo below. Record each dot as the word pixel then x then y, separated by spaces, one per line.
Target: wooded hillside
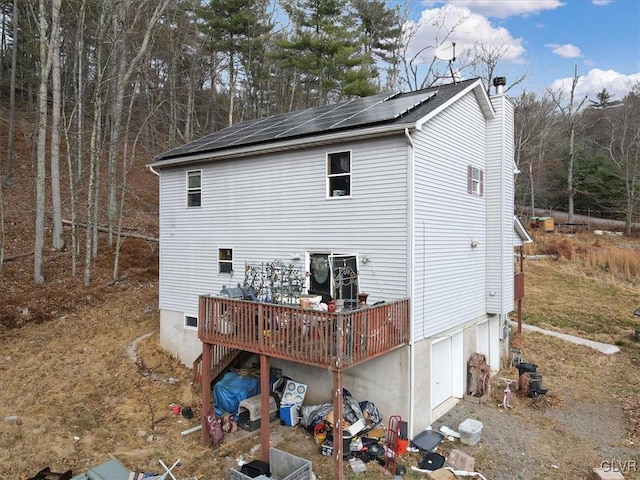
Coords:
pixel 92 90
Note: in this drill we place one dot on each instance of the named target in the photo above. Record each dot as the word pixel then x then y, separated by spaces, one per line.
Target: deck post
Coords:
pixel 205 384
pixel 338 396
pixel 265 394
pixel 520 299
pixel 338 413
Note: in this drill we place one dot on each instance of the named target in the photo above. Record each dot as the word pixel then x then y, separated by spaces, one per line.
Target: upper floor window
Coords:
pixel 339 174
pixel 194 188
pixel 225 260
pixel 475 181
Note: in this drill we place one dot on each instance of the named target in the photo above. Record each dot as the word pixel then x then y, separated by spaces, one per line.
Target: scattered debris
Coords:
pixel 357 465
pixel 461 460
pixel 191 430
pixel 47 474
pixel 470 431
pixel 478 378
pixel 449 433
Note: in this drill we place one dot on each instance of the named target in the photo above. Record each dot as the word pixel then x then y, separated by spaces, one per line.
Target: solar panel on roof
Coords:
pixel 382 112
pixel 202 143
pixel 242 131
pixel 371 110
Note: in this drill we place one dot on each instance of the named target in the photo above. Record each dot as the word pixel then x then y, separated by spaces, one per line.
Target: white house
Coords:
pixel 413 191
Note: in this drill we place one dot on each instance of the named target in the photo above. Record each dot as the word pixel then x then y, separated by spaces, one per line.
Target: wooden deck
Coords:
pixel 332 340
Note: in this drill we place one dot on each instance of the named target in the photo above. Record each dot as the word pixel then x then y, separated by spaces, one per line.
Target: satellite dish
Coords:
pixel 446 53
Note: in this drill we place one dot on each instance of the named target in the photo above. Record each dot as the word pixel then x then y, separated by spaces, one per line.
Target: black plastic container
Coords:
pixel 526 367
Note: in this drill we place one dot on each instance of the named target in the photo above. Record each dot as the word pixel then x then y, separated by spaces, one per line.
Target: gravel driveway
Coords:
pixel 532 442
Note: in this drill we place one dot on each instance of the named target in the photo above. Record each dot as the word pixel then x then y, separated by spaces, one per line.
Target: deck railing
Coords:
pixel 337 340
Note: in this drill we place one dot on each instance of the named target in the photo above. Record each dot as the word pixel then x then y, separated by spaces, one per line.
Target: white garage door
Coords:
pixel 446 369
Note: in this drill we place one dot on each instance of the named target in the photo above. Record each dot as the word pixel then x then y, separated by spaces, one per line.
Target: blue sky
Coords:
pixel 544 39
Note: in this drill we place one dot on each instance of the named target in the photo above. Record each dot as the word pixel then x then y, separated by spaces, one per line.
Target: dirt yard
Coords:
pixel 83 390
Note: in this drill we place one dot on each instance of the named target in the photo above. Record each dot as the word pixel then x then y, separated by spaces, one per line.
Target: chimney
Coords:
pixel 499 83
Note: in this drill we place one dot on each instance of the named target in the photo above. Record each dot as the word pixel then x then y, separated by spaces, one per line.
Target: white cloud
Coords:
pixel 567 50
pixel 601 2
pixel 594 81
pixel 450 23
pixel 505 8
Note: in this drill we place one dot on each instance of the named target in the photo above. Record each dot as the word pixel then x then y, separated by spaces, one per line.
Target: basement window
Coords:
pixel 190 322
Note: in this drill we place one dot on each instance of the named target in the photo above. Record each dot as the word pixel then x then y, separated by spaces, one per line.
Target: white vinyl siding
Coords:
pixel 244 207
pixel 449 285
pixel 499 194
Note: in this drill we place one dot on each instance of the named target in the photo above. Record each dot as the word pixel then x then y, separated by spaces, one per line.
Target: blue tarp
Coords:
pixel 231 390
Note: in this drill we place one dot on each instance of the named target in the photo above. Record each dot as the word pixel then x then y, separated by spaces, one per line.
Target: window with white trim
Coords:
pixel 475 181
pixel 194 188
pixel 225 260
pixel 339 174
pixel 190 321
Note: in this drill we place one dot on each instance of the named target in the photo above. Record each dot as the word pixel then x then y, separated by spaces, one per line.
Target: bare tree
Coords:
pixel 46 59
pixel 123 76
pixel 2 235
pixel 424 69
pixel 95 151
pixel 8 179
pixel 622 132
pixel 484 63
pixel 571 111
pixel 56 201
pixel 535 120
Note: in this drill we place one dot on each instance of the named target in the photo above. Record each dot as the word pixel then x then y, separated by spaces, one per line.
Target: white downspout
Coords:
pixel 411 271
pixel 153 171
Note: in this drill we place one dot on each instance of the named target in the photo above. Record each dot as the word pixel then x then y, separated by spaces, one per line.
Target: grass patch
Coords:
pixel 590 290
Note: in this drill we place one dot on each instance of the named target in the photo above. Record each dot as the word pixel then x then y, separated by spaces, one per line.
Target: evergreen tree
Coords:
pixel 325 50
pixel 380 35
pixel 604 99
pixel 234 28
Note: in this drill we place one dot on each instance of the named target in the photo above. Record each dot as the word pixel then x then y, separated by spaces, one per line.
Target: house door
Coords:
pixel 488 341
pixel 446 369
pixel 334 276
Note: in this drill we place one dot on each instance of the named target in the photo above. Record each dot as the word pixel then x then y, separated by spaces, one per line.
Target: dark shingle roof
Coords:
pixel 381 109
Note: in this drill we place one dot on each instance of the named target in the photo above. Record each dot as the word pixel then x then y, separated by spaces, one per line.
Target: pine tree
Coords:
pixel 234 27
pixel 325 50
pixel 604 99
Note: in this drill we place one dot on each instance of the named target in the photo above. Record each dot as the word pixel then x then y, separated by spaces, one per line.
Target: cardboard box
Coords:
pixel 375 432
pixel 441 474
pixel 461 461
pixel 602 474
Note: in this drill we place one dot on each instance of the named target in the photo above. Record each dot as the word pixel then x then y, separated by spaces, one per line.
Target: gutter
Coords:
pixel 411 270
pixel 263 148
